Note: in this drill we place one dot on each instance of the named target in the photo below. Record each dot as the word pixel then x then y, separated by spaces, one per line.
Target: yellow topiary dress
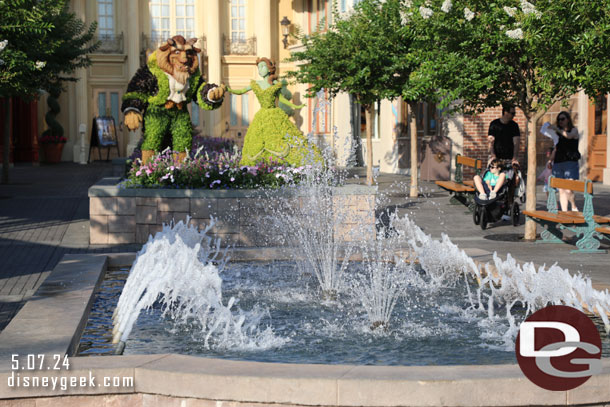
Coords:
pixel 272 136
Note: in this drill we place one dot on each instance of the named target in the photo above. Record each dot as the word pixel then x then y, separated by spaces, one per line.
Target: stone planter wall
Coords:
pixel 131 215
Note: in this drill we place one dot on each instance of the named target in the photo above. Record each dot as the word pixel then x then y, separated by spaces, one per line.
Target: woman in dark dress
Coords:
pixel 564 159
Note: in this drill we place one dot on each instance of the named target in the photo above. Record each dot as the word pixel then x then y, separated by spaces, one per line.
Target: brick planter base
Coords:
pixel 131 215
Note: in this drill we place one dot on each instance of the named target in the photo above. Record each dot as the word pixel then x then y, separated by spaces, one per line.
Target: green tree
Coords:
pixel 43 45
pixel 366 54
pixel 532 54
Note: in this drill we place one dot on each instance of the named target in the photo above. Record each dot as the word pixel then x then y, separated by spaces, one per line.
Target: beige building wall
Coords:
pixel 221 62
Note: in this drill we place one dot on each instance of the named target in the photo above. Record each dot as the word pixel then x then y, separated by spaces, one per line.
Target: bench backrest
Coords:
pixel 461 160
pixel 577 186
pixel 585 187
pixel 469 162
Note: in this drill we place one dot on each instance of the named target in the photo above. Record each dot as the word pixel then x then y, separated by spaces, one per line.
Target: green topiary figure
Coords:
pixel 271 135
pixel 159 94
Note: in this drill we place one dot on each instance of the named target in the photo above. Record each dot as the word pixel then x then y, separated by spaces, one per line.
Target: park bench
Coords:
pixel 462 191
pixel 605 231
pixel 585 224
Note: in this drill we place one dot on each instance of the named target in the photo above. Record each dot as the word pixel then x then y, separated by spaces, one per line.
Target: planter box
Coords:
pixel 130 215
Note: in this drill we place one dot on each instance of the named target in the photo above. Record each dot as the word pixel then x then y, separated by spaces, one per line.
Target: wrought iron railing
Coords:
pixel 237 46
pixel 110 44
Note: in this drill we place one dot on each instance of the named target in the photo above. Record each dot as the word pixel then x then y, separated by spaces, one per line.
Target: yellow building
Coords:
pixel 232 34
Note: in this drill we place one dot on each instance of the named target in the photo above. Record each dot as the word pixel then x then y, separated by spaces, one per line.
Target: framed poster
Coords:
pixel 105 130
pixel 103 134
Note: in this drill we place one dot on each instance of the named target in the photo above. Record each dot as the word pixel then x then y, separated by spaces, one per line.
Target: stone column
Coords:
pixel 262 28
pixel 606 175
pixel 133 61
pixel 214 53
pixel 82 100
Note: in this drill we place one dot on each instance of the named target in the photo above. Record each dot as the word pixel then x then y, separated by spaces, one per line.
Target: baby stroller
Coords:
pixel 504 204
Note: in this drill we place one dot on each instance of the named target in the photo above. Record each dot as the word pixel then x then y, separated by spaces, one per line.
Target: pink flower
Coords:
pixel 138 173
pixel 148 171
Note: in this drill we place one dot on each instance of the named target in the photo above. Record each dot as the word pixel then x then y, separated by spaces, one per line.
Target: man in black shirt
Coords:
pixel 503 136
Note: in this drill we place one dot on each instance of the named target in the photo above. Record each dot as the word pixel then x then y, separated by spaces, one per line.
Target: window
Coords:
pixel 376 122
pixel 238 20
pixel 185 18
pixel 319 113
pixel 160 18
pixel 105 18
pixel 172 17
pixel 318 15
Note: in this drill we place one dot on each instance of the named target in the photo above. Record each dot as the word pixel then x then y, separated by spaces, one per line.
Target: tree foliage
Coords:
pixel 45 44
pixel 365 53
pixel 532 54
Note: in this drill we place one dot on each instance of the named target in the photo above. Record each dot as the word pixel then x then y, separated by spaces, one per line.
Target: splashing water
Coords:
pixel 179 270
pixel 505 284
pixel 385 279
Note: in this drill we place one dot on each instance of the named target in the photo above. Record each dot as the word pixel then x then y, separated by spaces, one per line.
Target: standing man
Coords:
pixel 503 137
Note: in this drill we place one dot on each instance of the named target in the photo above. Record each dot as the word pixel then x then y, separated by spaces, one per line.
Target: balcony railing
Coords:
pixel 110 44
pixel 235 46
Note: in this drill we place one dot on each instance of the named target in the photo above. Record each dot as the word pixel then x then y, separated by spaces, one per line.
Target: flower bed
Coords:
pixel 209 170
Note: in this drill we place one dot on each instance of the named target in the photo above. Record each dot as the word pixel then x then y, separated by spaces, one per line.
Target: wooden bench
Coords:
pixel 585 224
pixel 462 191
pixel 605 231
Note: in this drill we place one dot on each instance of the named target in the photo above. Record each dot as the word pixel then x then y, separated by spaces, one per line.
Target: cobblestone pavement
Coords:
pixel 44 214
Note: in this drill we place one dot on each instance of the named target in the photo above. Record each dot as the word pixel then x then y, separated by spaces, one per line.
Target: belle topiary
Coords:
pixel 271 135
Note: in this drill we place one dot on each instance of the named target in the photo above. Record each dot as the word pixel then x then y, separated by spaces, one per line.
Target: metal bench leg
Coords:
pixel 588 242
pixel 550 233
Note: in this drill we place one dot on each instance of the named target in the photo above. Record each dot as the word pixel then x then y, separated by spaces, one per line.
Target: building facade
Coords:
pixel 232 34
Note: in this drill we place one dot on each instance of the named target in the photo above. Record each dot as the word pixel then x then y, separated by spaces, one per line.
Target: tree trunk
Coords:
pixel 414 190
pixel 6 140
pixel 369 143
pixel 530 203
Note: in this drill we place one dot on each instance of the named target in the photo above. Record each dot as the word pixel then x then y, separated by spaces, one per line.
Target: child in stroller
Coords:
pixel 496 196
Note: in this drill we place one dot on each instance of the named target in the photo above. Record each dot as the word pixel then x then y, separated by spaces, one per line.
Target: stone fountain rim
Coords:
pixel 257 382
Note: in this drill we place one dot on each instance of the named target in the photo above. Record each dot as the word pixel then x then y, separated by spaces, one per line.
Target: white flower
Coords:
pixel 1 62
pixel 408 3
pixel 3 45
pixel 529 8
pixel 510 10
pixel 468 15
pixel 40 64
pixel 404 17
pixel 515 34
pixel 425 12
pixel 446 7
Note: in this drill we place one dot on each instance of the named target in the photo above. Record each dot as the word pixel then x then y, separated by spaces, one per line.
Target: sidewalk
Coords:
pixel 433 213
pixel 44 214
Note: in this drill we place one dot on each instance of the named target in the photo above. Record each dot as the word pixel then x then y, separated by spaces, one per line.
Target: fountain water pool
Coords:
pixel 426 328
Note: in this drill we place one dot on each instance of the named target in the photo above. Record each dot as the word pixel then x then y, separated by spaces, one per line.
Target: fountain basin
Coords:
pixel 119 215
pixel 165 379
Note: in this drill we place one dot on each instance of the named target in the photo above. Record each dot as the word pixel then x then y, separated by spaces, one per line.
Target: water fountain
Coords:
pixel 402 280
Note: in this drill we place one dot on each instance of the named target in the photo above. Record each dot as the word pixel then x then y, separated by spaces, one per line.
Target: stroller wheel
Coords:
pixel 515 213
pixel 483 219
pixel 476 214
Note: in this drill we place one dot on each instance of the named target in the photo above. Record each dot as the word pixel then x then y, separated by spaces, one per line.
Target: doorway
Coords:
pixel 107 102
pixel 598 125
